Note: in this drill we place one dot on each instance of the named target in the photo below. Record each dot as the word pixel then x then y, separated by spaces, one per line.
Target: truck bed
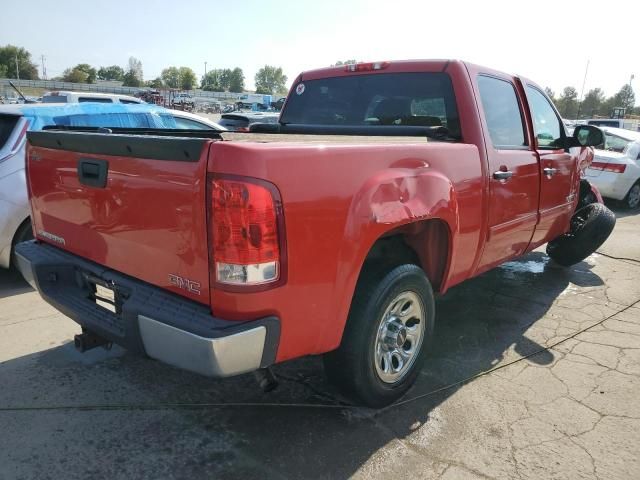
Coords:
pixel 318 139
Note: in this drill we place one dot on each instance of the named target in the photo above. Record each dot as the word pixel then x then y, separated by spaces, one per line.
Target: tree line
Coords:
pixel 16 62
pixel 595 102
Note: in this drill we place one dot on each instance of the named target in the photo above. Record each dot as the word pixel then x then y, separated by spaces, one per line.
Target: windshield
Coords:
pixel 403 99
pixel 614 143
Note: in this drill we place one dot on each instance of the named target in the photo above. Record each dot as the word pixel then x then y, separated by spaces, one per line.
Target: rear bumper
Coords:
pixel 612 185
pixel 167 327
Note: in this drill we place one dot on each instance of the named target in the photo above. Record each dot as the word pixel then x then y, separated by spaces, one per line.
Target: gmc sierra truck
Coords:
pixel 327 233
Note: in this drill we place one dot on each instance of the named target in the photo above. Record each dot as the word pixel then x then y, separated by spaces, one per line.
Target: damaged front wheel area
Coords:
pixel 590 227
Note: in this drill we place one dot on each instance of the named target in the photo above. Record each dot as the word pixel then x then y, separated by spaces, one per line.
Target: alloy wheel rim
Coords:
pixel 399 337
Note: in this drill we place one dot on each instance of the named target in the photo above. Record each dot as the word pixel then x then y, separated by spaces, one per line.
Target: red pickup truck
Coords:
pixel 327 233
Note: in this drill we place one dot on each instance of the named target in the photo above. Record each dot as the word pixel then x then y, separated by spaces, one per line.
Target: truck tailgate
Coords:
pixel 136 205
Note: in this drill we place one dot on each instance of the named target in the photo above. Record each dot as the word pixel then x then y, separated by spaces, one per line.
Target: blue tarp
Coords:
pixel 99 115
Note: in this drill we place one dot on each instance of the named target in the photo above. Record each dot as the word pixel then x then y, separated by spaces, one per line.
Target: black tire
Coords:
pixel 631 200
pixel 24 233
pixel 352 367
pixel 590 227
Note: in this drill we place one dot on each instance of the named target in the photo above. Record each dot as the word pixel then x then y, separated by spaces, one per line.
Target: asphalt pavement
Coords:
pixel 535 375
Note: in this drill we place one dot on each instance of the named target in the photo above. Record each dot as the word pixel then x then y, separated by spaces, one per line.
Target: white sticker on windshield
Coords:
pixel 300 89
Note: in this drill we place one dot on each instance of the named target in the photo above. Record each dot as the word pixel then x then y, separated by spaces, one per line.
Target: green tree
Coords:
pixel 625 98
pixel 212 81
pixel 81 73
pixel 3 71
pixel 131 79
pixel 236 80
pixel 568 103
pixel 606 107
pixel 89 70
pixel 26 68
pixel 188 78
pixel 221 80
pixel 155 83
pixel 171 77
pixel 114 72
pixel 550 93
pixel 592 103
pixel 270 80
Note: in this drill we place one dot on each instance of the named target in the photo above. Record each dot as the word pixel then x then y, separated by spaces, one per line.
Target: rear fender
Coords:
pixel 391 199
pixel 596 192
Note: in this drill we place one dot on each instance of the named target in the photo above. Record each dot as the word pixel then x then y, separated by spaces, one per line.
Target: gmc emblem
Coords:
pixel 184 283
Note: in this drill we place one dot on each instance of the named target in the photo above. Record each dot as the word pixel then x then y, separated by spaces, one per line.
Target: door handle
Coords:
pixel 93 172
pixel 502 174
pixel 549 172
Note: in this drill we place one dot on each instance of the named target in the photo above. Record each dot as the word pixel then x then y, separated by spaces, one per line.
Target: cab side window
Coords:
pixel 547 126
pixel 502 113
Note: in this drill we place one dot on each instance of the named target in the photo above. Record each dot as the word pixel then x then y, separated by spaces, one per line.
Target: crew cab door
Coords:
pixel 513 169
pixel 559 179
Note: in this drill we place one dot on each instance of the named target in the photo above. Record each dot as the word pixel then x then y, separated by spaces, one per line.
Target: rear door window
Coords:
pixel 54 99
pixel 190 124
pixel 94 100
pixel 502 113
pixel 403 99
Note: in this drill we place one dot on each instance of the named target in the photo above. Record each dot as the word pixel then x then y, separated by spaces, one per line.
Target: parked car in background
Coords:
pixel 192 121
pixel 615 169
pixel 626 123
pixel 240 122
pixel 16 120
pixel 278 104
pixel 84 97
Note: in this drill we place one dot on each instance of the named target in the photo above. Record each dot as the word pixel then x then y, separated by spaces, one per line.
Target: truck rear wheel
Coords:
pixel 386 338
pixel 590 228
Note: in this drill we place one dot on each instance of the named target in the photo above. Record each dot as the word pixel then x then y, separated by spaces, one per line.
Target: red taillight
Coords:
pixel 609 167
pixel 245 231
pixel 366 67
pixel 615 167
pixel 242 129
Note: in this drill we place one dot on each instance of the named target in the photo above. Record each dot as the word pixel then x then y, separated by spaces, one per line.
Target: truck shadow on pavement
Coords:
pixel 12 283
pixel 304 429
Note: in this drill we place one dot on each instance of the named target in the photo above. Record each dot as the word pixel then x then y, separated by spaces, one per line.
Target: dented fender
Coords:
pixel 388 200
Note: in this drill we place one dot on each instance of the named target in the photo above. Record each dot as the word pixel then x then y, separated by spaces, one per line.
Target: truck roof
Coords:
pixel 387 66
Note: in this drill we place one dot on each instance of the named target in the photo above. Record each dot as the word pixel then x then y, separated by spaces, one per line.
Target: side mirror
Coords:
pixel 586 136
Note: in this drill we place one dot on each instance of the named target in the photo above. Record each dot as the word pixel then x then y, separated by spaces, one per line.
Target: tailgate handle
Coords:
pixel 93 172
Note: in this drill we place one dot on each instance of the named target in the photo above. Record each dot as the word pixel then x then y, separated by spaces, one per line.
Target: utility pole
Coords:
pixel 629 92
pixel 44 69
pixel 584 81
pixel 17 68
pixel 204 80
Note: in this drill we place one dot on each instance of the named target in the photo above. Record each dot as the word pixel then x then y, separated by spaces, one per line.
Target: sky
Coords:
pixel 548 41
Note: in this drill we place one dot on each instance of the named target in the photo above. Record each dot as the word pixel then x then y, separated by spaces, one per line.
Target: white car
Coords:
pixel 192 121
pixel 616 168
pixel 15 224
pixel 60 96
